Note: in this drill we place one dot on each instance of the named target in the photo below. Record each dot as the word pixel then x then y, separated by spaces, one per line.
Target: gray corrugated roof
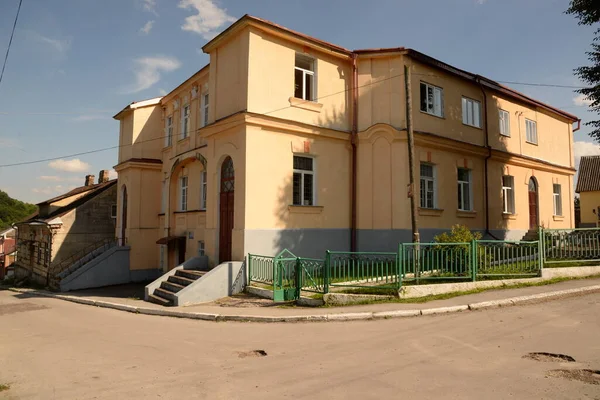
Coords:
pixel 589 174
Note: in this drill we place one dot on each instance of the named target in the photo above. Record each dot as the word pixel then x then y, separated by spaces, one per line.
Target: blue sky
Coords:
pixel 75 63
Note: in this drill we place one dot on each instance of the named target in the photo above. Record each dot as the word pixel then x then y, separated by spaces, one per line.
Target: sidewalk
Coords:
pixel 270 312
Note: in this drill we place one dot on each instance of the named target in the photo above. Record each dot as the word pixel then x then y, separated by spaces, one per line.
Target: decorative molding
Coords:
pixel 431 212
pixel 194 92
pixel 305 209
pixel 509 216
pixel 305 104
pixel 466 214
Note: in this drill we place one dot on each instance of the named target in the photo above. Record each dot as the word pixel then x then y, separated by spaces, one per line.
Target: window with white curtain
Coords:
pixel 508 194
pixel 471 112
pixel 504 123
pixel 427 186
pixel 556 195
pixel 465 202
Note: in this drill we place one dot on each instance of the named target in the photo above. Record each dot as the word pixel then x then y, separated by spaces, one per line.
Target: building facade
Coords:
pixel 65 229
pixel 286 141
pixel 588 187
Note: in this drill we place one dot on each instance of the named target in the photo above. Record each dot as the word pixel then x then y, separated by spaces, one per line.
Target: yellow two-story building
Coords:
pixel 287 141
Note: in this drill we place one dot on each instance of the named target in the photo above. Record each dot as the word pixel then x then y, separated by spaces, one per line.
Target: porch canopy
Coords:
pixel 169 239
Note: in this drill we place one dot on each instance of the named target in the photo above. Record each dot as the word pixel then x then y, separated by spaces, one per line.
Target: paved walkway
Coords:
pixel 128 295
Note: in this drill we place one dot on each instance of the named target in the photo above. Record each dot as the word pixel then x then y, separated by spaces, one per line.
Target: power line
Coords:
pixel 541 85
pixel 10 40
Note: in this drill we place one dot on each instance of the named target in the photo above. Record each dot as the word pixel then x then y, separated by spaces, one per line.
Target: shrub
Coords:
pixel 458 234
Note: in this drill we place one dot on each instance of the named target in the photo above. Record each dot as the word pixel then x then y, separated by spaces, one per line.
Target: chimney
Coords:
pixel 103 178
pixel 89 180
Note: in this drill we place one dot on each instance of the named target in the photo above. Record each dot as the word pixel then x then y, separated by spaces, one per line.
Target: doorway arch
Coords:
pixel 533 203
pixel 226 209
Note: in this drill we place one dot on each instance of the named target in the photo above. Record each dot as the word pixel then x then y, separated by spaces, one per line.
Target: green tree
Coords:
pixel 588 13
pixel 12 210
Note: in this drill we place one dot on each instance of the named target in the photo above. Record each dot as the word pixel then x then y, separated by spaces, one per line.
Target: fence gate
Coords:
pixel 285 277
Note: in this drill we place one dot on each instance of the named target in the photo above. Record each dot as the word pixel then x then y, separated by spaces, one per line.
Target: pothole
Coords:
pixel 252 353
pixel 583 375
pixel 549 357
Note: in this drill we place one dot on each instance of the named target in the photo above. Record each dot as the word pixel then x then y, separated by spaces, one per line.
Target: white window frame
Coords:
pixel 113 211
pixel 306 72
pixel 201 248
pixel 168 131
pixel 185 121
pixel 531 135
pixel 203 189
pixel 183 192
pixel 469 191
pixel 204 108
pixel 471 112
pixel 557 199
pixel 303 173
pixel 422 179
pixel 433 110
pixel 508 195
pixel 504 121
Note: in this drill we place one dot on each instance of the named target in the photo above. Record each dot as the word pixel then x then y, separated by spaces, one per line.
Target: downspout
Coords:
pixel 353 141
pixel 486 161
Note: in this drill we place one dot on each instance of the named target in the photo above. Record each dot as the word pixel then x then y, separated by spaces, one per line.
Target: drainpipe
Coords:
pixel 489 155
pixel 353 141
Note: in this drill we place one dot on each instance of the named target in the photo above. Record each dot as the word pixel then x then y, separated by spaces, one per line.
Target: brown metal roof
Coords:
pixel 589 174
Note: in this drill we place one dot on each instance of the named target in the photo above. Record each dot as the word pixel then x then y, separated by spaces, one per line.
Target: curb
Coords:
pixel 358 316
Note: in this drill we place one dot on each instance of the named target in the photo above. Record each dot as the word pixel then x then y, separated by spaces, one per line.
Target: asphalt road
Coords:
pixel 52 349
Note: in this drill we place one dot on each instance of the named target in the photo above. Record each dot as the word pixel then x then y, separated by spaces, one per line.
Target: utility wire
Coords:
pixel 216 124
pixel 10 40
pixel 540 84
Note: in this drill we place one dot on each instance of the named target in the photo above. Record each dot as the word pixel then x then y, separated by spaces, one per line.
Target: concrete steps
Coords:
pixel 531 236
pixel 165 294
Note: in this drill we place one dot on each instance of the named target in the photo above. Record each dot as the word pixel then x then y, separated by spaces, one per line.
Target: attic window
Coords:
pixel 304 78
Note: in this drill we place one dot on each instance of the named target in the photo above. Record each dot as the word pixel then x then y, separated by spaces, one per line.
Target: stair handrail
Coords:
pixel 78 255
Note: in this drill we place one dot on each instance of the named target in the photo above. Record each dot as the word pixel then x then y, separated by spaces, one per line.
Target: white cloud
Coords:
pixel 582 100
pixel 208 20
pixel 56 178
pixel 147 71
pixel 74 165
pixel 147 27
pixel 150 6
pixel 60 45
pixel 581 149
pixel 88 117
pixel 49 190
pixel 112 174
pixel 162 92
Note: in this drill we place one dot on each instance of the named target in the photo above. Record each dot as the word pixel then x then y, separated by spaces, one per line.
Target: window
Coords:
pixel 184 188
pixel 504 123
pixel 113 211
pixel 471 112
pixel 168 131
pixel 303 191
pixel 464 190
pixel 432 99
pixel 185 121
pixel 203 190
pixel 557 199
pixel 531 131
pixel 304 78
pixel 508 194
pixel 201 248
pixel 427 186
pixel 205 109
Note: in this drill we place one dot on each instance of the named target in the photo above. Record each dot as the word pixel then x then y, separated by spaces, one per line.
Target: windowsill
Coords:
pixel 305 104
pixel 472 126
pixel 433 115
pixel 502 135
pixel 188 211
pixel 431 212
pixel 509 216
pixel 558 217
pixel 167 147
pixel 161 214
pixel 528 142
pixel 305 209
pixel 466 214
pixel 179 141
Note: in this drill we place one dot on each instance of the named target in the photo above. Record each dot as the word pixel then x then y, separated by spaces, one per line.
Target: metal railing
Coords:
pixel 66 263
pixel 507 258
pixel 434 261
pixel 260 268
pixel 570 245
pixel 362 269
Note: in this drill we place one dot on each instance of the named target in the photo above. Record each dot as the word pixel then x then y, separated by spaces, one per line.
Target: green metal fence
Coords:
pixel 312 275
pixel 377 270
pixel 436 261
pixel 570 245
pixel 260 268
pixel 507 258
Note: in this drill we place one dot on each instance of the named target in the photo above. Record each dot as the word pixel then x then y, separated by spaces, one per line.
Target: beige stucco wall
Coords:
pixel 271 82
pixel 589 201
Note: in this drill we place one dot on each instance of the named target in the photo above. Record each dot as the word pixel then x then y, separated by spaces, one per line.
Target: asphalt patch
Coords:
pixel 589 376
pixel 549 357
pixel 15 308
pixel 252 353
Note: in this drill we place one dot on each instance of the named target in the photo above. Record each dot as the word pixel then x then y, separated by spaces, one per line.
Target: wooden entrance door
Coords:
pixel 226 209
pixel 124 217
pixel 533 204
